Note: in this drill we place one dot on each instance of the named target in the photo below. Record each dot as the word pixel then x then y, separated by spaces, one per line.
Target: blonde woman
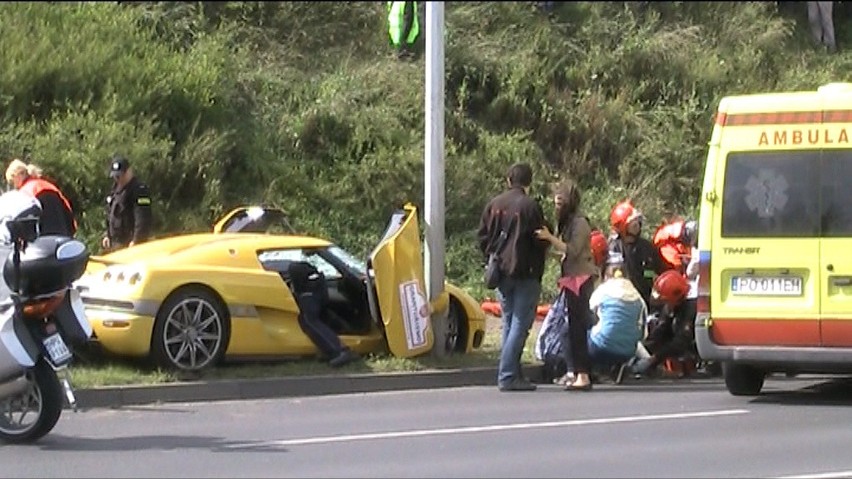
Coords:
pixel 621 313
pixel 57 216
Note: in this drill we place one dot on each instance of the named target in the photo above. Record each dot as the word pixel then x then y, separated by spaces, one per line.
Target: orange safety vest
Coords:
pixel 35 186
pixel 668 239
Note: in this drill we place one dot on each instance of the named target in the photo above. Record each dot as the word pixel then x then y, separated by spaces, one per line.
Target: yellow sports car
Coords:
pixel 189 301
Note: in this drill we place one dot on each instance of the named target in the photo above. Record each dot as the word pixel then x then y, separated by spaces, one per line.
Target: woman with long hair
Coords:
pixel 577 281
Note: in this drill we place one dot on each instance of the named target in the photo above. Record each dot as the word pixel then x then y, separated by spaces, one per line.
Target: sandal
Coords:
pixel 573 387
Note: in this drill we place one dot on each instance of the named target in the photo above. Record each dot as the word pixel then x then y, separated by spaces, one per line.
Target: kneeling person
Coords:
pixel 620 312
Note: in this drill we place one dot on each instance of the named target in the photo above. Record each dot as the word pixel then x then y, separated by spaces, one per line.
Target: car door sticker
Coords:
pixel 415 311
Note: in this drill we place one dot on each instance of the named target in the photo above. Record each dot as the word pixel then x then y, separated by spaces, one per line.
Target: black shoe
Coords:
pixel 517 385
pixel 345 357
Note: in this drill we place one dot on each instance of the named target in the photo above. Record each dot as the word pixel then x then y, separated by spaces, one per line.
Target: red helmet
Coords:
pixel 671 287
pixel 668 232
pixel 621 215
pixel 600 247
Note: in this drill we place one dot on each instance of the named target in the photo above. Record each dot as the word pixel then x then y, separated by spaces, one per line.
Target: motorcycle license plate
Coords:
pixel 57 349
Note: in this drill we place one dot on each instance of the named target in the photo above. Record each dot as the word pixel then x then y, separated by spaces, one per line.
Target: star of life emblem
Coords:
pixel 767 193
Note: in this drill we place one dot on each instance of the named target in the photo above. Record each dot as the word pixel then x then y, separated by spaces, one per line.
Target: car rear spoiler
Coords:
pixel 99 263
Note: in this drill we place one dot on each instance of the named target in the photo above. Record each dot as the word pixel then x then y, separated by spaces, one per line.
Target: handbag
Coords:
pixel 549 340
pixel 492 266
pixel 548 345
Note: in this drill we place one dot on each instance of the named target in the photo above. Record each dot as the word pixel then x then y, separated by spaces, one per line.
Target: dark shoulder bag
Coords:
pixel 492 267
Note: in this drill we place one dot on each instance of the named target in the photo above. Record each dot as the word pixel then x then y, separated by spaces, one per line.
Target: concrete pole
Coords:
pixel 434 257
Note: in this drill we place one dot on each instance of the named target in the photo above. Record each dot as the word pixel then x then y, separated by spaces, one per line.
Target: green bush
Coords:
pixel 302 105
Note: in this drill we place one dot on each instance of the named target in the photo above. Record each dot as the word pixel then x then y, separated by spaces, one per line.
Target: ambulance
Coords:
pixel 775 237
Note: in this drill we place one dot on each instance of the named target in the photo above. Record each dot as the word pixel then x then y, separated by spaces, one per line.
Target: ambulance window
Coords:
pixel 836 193
pixel 771 194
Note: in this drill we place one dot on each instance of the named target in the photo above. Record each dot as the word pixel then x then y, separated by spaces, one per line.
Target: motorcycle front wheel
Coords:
pixel 30 415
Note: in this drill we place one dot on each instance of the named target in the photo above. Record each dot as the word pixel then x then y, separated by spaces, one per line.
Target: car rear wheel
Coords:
pixel 191 331
pixel 743 380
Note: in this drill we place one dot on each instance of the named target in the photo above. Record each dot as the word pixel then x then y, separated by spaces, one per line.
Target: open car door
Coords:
pixel 254 219
pixel 396 266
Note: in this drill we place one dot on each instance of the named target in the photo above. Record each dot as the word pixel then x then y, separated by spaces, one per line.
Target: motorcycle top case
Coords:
pixel 48 264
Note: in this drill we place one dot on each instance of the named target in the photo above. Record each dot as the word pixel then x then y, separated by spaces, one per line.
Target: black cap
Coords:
pixel 118 166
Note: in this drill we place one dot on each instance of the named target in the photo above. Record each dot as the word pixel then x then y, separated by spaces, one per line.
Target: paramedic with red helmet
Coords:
pixel 672 336
pixel 642 261
pixel 673 240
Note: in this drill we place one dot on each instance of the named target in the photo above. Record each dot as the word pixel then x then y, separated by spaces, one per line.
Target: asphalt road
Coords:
pixel 663 428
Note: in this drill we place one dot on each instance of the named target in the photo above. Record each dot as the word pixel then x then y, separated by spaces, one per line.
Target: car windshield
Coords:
pixel 349 259
pixel 258 220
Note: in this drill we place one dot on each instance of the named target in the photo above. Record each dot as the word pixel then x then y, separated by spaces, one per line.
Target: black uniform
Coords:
pixel 129 213
pixel 311 293
pixel 642 263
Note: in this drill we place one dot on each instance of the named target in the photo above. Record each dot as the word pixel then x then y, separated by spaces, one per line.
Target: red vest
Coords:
pixel 35 186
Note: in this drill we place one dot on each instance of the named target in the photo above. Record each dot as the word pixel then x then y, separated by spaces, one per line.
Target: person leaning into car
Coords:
pixel 57 216
pixel 128 208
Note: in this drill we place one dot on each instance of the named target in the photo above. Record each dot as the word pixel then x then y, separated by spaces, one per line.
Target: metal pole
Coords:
pixel 434 162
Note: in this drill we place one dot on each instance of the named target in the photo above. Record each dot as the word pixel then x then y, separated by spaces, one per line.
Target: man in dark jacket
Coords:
pixel 128 208
pixel 522 258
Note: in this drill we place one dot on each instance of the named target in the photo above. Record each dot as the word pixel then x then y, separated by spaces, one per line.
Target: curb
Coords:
pixel 295 386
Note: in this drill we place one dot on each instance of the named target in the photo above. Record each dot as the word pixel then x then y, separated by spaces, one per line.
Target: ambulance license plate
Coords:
pixel 766 285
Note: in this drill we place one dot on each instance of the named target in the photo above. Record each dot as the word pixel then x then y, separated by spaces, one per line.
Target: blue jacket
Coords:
pixel 621 316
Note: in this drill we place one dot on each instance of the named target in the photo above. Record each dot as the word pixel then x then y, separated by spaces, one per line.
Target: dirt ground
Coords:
pixel 494 327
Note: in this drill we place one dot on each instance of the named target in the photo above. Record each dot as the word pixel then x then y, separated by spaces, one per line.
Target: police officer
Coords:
pixel 128 208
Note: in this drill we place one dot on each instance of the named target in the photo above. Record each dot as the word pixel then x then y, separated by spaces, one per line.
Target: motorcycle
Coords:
pixel 41 320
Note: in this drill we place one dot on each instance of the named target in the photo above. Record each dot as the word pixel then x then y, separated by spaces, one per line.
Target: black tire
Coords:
pixel 42 404
pixel 743 380
pixel 456 339
pixel 191 331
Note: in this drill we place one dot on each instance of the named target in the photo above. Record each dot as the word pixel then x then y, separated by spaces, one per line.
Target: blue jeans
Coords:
pixel 601 359
pixel 518 301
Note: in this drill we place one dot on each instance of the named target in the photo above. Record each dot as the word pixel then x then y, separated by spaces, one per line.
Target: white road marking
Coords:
pixel 475 429
pixel 823 475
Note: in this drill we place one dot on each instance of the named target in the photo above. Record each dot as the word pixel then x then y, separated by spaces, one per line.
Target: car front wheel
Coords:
pixel 455 340
pixel 191 331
